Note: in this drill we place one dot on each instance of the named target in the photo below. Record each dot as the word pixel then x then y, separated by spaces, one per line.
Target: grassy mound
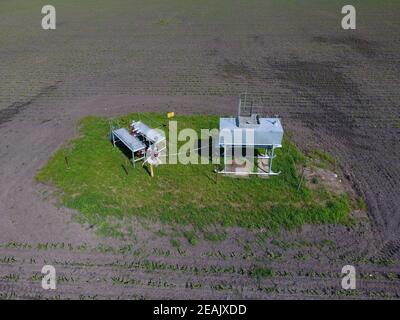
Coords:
pixel 97 181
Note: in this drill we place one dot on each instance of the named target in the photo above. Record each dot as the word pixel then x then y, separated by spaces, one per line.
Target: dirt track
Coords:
pixel 333 90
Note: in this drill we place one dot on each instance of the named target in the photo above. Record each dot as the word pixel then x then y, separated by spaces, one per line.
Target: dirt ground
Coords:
pixel 336 90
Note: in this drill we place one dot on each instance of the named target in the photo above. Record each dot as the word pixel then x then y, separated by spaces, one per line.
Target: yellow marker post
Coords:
pixel 170 115
pixel 151 171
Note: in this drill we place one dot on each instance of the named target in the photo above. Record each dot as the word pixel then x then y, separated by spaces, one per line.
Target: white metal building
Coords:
pixel 260 136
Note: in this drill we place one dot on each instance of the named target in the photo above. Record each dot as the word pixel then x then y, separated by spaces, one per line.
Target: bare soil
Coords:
pixel 334 91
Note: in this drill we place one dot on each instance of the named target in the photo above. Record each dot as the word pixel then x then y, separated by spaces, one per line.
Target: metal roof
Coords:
pixel 132 142
pixel 150 134
pixel 267 132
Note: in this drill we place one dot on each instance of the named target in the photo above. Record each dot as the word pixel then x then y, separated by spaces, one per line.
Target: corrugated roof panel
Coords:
pixel 268 132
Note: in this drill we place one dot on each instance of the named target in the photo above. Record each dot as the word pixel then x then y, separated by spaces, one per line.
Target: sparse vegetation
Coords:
pixel 190 236
pixel 149 271
pixel 323 159
pixel 175 243
pixel 215 235
pixel 361 204
pixel 260 272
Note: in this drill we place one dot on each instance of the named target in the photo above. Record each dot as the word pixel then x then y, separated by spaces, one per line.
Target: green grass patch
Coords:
pixel 175 243
pixel 191 237
pixel 215 236
pixel 323 159
pixel 262 273
pixel 361 204
pixel 97 179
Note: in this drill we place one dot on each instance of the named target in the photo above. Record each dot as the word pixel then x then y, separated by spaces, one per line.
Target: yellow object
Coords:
pixel 151 171
pixel 170 114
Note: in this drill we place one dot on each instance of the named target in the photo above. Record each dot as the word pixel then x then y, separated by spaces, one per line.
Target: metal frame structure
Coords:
pixel 143 138
pixel 266 147
pixel 131 142
pixel 250 109
pixel 249 104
